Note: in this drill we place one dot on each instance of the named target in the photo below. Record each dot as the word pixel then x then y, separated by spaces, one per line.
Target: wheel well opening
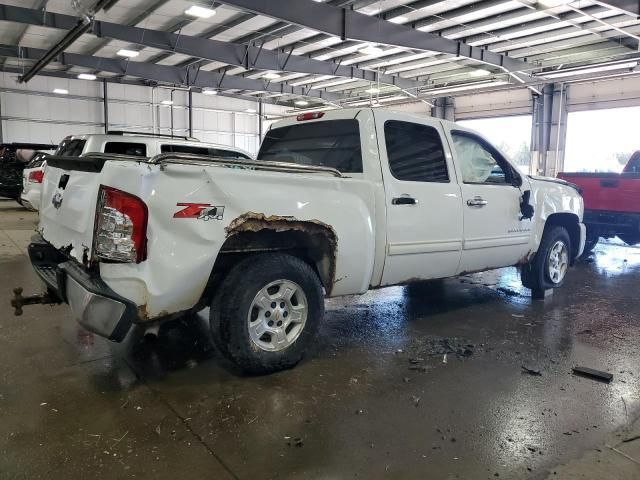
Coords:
pixel 570 222
pixel 253 234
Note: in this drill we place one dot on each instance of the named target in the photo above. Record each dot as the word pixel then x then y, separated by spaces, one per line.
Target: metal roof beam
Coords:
pixel 230 53
pixel 630 7
pixel 349 24
pixel 162 73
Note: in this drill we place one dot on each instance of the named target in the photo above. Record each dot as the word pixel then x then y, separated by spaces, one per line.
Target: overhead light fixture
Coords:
pixel 371 50
pixel 209 91
pixel 123 52
pixel 86 76
pixel 200 12
pixel 370 12
pixel 271 76
pixel 301 103
pixel 583 71
pixel 250 110
pixel 399 19
pixel 61 91
pixel 479 72
pixel 167 102
pixel 372 90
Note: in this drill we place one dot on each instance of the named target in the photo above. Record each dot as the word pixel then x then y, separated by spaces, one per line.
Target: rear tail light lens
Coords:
pixel 36 176
pixel 121 226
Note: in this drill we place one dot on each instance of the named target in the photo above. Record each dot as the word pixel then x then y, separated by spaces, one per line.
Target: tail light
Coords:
pixel 120 232
pixel 36 176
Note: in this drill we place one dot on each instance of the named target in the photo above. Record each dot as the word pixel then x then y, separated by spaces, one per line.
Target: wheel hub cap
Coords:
pixel 277 315
pixel 558 262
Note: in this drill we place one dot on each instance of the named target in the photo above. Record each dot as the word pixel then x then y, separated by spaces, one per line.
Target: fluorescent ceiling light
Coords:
pixel 479 72
pixel 61 91
pixel 371 50
pixel 399 19
pixel 123 52
pixel 209 92
pixel 462 88
pixel 366 11
pixel 250 110
pixel 200 12
pixel 86 76
pixel 301 103
pixel 271 76
pixel 167 102
pixel 583 71
pixel 372 90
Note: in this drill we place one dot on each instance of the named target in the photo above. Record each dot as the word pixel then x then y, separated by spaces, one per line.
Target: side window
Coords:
pixel 126 148
pixel 184 149
pixel 71 148
pixel 478 162
pixel 415 152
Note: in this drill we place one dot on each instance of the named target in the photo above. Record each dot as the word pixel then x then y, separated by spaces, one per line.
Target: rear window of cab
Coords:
pixel 331 143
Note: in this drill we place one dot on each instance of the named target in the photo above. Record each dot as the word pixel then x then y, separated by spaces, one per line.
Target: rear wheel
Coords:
pixel 549 267
pixel 267 313
pixel 630 238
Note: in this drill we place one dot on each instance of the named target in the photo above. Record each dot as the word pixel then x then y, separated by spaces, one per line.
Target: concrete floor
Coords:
pixel 75 406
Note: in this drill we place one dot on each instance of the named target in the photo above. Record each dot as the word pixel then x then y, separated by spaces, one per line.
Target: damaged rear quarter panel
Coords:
pixel 181 251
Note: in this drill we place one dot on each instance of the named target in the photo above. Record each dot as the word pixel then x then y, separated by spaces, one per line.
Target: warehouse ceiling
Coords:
pixel 308 53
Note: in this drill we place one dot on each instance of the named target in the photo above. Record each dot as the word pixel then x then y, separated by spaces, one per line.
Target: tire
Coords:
pixel 630 238
pixel 254 334
pixel 539 275
pixel 589 244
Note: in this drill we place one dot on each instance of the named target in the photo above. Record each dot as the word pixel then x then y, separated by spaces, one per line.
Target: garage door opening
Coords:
pixel 601 140
pixel 512 135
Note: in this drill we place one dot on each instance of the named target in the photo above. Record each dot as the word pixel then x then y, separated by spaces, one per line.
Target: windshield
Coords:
pixel 331 143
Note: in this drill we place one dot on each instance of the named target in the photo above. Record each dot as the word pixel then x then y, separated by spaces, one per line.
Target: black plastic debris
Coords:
pixel 593 374
pixel 531 371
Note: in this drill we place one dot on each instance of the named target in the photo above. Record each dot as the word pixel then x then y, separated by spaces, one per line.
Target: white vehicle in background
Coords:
pixel 32 177
pixel 143 145
pixel 336 203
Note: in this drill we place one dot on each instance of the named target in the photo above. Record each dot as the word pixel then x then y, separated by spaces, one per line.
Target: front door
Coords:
pixel 495 234
pixel 423 204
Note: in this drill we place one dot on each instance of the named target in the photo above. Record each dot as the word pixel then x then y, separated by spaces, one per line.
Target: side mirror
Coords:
pixel 526 209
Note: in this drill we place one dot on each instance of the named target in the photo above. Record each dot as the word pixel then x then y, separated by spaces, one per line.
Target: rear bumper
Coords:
pixel 31 199
pixel 94 305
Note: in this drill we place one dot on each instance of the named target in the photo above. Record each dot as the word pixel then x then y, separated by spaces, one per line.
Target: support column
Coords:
pixel 549 130
pixel 105 105
pixel 444 107
pixel 190 113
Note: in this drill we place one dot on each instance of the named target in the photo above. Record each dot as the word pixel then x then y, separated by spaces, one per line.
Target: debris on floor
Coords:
pixel 531 371
pixel 594 374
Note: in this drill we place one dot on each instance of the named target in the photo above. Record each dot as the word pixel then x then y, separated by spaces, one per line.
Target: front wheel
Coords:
pixel 268 312
pixel 589 244
pixel 548 268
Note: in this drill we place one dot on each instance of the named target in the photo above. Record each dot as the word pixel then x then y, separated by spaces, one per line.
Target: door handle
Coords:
pixel 404 201
pixel 477 202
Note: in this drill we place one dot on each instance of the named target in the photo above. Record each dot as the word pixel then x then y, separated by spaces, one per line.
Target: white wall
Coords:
pixel 32 113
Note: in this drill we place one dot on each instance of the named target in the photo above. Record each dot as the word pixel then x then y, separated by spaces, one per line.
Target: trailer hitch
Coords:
pixel 18 301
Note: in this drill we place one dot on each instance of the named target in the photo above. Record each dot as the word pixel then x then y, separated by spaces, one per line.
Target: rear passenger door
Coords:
pixel 423 200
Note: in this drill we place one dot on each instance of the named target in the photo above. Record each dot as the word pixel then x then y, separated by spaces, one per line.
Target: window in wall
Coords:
pixel 126 148
pixel 512 136
pixel 601 140
pixel 415 152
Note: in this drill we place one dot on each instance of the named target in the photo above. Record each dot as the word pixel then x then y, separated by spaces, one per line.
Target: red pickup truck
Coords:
pixel 611 203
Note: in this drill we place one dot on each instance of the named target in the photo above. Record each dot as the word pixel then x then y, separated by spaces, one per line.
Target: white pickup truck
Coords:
pixel 336 203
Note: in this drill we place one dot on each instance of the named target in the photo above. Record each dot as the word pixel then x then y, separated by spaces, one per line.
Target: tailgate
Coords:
pixel 68 202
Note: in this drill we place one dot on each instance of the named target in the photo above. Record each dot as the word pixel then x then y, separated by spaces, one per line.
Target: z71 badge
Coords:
pixel 200 211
